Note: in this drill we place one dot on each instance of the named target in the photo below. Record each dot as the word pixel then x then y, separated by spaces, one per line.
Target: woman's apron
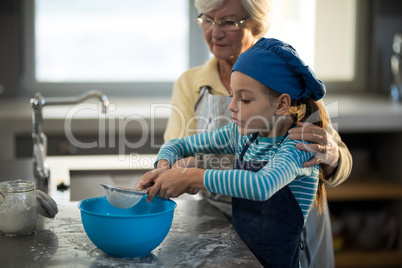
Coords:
pixel 271 228
pixel 211 112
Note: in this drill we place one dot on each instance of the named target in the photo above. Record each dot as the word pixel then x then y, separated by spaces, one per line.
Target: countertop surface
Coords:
pixel 200 236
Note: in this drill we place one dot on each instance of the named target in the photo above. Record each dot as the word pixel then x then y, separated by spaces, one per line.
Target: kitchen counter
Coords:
pixel 200 236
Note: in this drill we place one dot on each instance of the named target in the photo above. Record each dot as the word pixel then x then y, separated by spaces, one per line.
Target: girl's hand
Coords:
pixel 188 162
pixel 149 178
pixel 322 146
pixel 175 182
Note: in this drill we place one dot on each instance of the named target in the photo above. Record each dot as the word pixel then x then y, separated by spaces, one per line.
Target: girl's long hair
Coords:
pixel 308 110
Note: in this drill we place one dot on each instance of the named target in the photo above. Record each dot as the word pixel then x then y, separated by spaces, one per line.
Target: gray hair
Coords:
pixel 260 12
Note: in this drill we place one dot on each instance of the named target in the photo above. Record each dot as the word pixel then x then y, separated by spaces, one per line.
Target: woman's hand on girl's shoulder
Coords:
pixel 322 145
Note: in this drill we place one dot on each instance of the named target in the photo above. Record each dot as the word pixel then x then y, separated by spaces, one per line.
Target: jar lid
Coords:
pixel 17 186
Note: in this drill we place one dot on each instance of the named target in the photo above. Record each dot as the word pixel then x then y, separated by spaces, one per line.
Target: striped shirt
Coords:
pixel 285 166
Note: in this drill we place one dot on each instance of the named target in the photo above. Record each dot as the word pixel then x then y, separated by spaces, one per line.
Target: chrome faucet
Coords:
pixel 41 169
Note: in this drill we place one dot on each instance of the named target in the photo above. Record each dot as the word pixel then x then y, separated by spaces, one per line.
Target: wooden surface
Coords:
pixel 350 258
pixel 363 188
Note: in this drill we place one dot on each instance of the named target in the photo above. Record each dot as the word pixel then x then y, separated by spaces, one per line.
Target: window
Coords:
pixel 136 46
pixel 110 40
pixel 111 45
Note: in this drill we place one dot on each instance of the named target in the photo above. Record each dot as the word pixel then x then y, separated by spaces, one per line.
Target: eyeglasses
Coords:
pixel 225 25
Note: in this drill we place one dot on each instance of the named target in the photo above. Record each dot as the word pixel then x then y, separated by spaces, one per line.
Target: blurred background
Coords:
pixel 134 50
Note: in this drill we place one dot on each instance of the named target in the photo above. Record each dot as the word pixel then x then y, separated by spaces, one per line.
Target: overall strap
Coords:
pixel 203 91
pixel 255 136
pixel 249 142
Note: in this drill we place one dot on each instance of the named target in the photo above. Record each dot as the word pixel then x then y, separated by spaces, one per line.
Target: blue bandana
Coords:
pixel 278 66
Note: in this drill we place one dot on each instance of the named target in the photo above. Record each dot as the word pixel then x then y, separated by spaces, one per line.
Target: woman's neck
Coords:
pixel 225 69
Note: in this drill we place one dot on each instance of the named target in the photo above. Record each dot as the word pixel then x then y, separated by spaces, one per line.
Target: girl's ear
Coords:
pixel 283 104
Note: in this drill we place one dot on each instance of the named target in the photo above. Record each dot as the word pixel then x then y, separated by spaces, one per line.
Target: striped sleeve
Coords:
pixel 220 141
pixel 283 169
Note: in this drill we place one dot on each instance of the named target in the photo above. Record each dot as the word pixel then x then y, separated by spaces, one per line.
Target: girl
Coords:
pixel 272 89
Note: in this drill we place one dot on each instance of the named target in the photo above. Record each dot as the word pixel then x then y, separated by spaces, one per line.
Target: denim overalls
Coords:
pixel 271 228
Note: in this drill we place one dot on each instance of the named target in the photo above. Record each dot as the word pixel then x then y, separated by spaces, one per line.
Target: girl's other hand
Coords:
pixel 188 162
pixel 176 182
pixel 149 178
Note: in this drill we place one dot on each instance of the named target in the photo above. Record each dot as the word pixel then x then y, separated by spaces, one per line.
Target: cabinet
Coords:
pixel 372 195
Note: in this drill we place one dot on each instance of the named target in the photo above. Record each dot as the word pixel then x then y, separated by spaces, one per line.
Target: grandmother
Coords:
pixel 201 98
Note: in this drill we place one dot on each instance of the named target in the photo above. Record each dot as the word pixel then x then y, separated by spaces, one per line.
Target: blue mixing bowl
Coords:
pixel 127 233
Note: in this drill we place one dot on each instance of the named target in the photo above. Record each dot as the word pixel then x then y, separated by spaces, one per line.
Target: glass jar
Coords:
pixel 18 208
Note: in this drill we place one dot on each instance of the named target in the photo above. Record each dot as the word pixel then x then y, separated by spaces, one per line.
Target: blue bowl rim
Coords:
pixel 125 216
